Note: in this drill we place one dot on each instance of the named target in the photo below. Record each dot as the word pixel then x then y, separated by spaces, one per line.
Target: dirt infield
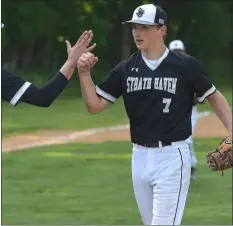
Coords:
pixel 207 126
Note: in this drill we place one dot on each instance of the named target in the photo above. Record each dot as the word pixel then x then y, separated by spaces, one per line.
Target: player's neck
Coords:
pixel 155 53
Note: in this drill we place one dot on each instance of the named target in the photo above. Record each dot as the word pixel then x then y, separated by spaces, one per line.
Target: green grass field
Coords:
pixel 67 114
pixel 91 184
pixel 63 114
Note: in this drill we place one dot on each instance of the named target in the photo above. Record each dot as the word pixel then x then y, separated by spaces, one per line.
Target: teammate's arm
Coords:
pixel 45 95
pixel 15 89
pixel 98 98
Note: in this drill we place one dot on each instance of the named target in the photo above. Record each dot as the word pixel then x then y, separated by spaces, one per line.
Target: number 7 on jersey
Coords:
pixel 167 102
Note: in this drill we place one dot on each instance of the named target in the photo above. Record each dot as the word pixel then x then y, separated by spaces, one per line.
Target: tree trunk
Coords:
pixel 28 56
pixel 125 44
pixel 47 53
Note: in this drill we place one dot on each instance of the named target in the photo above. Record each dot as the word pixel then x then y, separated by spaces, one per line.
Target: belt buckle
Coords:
pixel 160 144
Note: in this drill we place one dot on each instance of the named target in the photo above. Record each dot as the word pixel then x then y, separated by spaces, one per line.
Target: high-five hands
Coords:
pixel 80 47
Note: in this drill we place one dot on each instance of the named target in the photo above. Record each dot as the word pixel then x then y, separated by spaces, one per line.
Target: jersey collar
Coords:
pixel 159 61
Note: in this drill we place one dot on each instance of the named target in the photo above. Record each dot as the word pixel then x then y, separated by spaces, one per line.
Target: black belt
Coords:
pixel 156 144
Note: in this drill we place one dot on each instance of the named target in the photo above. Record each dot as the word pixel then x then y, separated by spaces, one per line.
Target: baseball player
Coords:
pixel 15 89
pixel 178 47
pixel 158 89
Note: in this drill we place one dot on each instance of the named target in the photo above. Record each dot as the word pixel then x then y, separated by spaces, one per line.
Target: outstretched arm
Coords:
pixel 15 89
pixel 45 95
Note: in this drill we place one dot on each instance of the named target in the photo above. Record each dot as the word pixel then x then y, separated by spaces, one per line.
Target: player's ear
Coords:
pixel 162 31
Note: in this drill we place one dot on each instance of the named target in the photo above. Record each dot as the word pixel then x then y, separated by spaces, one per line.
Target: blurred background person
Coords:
pixel 179 47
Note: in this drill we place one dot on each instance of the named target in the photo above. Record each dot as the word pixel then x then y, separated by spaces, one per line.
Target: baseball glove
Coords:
pixel 219 160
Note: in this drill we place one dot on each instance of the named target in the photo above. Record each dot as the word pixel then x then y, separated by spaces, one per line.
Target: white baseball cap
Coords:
pixel 149 14
pixel 2 25
pixel 176 45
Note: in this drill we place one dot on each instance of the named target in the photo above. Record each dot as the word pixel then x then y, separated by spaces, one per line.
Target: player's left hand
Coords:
pixel 221 158
pixel 226 144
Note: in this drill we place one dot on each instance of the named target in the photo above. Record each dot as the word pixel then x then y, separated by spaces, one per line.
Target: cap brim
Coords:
pixel 139 22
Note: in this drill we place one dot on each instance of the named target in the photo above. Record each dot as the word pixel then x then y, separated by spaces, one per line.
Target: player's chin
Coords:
pixel 141 47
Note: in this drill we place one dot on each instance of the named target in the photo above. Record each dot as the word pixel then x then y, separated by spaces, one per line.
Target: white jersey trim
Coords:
pixel 105 95
pixel 207 93
pixel 19 93
pixel 155 63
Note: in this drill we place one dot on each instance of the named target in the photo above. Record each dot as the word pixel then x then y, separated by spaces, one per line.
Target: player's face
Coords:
pixel 145 36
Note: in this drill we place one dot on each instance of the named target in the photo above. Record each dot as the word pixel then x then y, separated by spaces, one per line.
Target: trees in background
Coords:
pixel 34 33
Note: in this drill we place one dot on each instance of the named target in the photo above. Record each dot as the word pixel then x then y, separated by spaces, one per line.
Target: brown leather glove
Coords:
pixel 221 158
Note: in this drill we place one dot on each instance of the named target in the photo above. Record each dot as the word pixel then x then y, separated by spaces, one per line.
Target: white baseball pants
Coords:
pixel 161 179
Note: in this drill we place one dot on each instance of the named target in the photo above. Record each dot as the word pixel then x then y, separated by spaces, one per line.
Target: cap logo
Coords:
pixel 161 21
pixel 140 12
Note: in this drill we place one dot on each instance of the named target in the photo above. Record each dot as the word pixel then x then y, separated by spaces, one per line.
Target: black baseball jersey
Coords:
pixel 15 89
pixel 158 102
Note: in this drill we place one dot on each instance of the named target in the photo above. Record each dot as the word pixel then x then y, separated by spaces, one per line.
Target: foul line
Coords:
pixel 79 134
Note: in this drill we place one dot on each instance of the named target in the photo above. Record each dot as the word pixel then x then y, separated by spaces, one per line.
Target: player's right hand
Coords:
pixel 86 62
pixel 80 47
